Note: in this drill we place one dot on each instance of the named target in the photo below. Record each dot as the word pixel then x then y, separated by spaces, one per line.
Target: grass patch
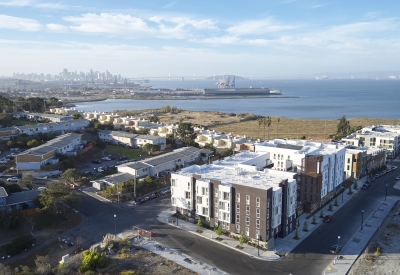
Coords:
pixel 42 221
pixel 122 151
pixel 23 122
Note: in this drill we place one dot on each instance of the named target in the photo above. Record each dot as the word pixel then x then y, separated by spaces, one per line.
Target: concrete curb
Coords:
pixel 233 248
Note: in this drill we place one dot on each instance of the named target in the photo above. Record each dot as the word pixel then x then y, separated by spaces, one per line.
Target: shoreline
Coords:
pixel 72 102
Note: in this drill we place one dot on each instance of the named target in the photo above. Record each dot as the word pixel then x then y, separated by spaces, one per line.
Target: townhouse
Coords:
pixel 128 122
pixel 164 163
pixel 320 167
pixel 383 136
pixel 51 117
pixel 131 140
pixel 239 195
pixel 65 111
pixel 54 127
pixel 112 180
pixel 164 130
pixel 218 140
pixel 8 133
pixel 45 154
pixel 17 200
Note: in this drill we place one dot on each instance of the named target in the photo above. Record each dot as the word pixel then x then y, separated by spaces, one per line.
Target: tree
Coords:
pixel 314 219
pixel 154 119
pixel 260 122
pixel 33 143
pixel 330 208
pixel 296 236
pixel 336 202
pixel 43 265
pixel 26 181
pixel 199 223
pixel 277 126
pixel 321 214
pixel 350 191
pixel 343 128
pixel 76 116
pixel 355 185
pixel 242 239
pixel 70 175
pixel 268 122
pixel 186 133
pixel 305 226
pixel 55 196
pixel 219 231
pixel 6 120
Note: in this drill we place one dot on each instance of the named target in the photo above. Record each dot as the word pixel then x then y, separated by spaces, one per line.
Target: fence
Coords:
pixel 29 212
pixel 371 246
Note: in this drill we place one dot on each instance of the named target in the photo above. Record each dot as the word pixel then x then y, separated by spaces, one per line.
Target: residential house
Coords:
pixel 8 133
pixel 112 180
pixel 131 140
pixel 65 111
pixel 54 127
pixel 18 200
pixel 51 117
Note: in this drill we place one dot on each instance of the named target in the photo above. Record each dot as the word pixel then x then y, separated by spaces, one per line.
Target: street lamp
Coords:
pixel 258 245
pixel 176 216
pixel 115 225
pixel 338 239
pixel 386 191
pixel 362 218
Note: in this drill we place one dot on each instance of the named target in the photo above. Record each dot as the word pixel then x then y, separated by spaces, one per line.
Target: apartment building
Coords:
pixel 131 140
pixel 361 161
pixel 218 140
pixel 320 167
pixel 238 195
pixel 65 111
pixel 45 154
pixel 383 136
pixel 51 117
pixel 164 130
pixel 8 133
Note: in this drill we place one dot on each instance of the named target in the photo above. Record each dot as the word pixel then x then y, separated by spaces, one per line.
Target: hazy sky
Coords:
pixel 182 38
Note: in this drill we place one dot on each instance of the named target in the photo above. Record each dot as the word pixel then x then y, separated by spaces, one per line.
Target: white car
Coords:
pixel 3 161
pixel 106 158
pixel 398 178
pixel 14 179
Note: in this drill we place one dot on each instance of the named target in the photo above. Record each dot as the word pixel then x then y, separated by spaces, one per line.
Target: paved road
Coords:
pixel 310 257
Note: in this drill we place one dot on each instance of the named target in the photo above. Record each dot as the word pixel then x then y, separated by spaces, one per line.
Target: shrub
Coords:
pixel 19 244
pixel 330 207
pixel 91 260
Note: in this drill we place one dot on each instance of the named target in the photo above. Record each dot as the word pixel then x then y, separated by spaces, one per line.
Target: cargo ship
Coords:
pixel 226 86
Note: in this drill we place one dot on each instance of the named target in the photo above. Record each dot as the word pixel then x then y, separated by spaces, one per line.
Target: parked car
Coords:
pixel 111 156
pixel 327 218
pixel 398 178
pixel 394 168
pixel 9 157
pixel 364 187
pixel 100 170
pixel 106 158
pixel 377 176
pixel 122 158
pixel 42 188
pixel 3 161
pixel 335 249
pixel 96 161
pixel 89 173
pixel 13 179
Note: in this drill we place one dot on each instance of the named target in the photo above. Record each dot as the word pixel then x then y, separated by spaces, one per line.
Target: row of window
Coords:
pixel 258 200
pixel 248 221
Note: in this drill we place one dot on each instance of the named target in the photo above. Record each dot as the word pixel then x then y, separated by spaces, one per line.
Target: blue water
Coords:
pixel 324 99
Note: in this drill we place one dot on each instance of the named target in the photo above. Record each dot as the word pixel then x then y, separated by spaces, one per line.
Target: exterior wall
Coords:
pixel 203 199
pixel 182 192
pixel 27 158
pixel 140 173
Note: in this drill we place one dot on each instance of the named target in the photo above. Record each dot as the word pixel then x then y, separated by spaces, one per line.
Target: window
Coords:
pixel 173 182
pixel 188 185
pixel 187 195
pixel 173 201
pixel 237 208
pixel 247 210
pixel 257 223
pixel 258 234
pixel 216 212
pixel 172 191
pixel 216 223
pixel 247 199
pixel 199 200
pixel 205 211
pixel 237 218
pixel 216 193
pixel 207 201
pixel 238 229
pixel 226 196
pixel 257 212
pixel 247 232
pixel 238 197
pixel 247 221
pixel 257 202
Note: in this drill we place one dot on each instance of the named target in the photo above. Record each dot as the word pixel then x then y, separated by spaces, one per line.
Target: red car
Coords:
pixel 327 218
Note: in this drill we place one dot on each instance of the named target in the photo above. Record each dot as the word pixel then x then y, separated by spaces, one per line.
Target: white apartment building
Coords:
pixel 238 195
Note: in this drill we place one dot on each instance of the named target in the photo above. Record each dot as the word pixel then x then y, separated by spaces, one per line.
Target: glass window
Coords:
pixel 247 199
pixel 247 221
pixel 247 210
pixel 237 208
pixel 237 218
pixel 187 195
pixel 257 212
pixel 237 197
pixel 247 232
pixel 238 228
pixel 257 223
pixel 258 202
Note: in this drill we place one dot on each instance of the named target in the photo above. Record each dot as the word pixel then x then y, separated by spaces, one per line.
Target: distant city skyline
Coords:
pixel 285 38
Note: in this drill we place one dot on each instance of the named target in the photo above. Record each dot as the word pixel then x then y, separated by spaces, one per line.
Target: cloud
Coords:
pixel 184 21
pixel 170 5
pixel 37 4
pixel 317 6
pixel 57 28
pixel 18 23
pixel 254 27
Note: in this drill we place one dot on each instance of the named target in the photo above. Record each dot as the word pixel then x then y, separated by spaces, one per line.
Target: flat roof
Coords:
pixel 20 197
pixel 118 178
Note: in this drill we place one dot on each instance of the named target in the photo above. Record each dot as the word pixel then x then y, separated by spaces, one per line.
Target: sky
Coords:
pixel 147 38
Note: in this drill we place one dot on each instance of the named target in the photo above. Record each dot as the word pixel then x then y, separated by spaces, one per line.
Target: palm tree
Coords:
pixel 277 126
pixel 260 121
pixel 269 121
pixel 264 122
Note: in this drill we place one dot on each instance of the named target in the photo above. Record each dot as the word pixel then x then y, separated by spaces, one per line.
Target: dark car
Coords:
pixel 122 158
pixel 111 156
pixel 89 173
pixel 335 249
pixel 96 161
pixel 327 218
pixel 364 187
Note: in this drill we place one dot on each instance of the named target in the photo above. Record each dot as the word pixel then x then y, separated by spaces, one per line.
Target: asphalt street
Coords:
pixel 310 257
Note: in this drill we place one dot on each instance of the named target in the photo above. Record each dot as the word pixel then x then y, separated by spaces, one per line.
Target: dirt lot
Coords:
pixel 140 261
pixel 384 250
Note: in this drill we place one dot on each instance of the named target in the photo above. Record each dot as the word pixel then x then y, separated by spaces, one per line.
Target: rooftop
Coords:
pixel 21 197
